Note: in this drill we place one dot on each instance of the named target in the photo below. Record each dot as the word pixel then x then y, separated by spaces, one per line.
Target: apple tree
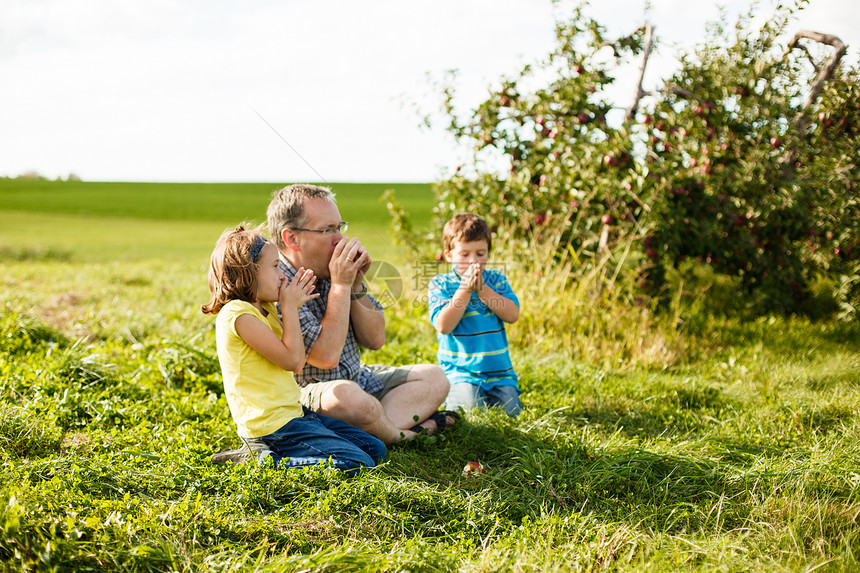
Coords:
pixel 756 178
pixel 567 165
pixel 746 160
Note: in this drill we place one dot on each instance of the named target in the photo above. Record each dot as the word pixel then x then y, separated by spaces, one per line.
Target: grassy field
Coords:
pixel 179 221
pixel 735 447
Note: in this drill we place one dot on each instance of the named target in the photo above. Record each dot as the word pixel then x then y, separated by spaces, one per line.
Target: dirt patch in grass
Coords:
pixel 66 312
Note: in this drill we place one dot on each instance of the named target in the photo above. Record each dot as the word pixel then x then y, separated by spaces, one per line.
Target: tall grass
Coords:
pixel 572 302
pixel 586 310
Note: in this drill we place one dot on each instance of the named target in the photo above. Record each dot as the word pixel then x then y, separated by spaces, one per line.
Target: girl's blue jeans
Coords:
pixel 466 396
pixel 315 438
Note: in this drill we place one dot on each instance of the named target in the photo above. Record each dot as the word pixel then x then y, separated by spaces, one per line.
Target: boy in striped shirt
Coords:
pixel 469 307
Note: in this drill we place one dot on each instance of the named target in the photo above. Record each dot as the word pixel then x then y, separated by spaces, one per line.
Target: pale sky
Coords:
pixel 186 90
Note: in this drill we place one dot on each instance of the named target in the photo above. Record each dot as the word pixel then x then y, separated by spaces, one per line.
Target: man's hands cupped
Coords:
pixel 349 263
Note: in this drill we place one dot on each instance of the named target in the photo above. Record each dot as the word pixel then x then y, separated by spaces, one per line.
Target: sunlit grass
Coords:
pixel 676 441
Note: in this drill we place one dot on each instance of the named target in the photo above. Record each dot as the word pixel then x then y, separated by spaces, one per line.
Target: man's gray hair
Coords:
pixel 287 208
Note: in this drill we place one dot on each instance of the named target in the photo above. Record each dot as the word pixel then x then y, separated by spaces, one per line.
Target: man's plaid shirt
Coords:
pixel 350 367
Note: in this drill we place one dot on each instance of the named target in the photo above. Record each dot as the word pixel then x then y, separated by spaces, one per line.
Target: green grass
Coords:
pixel 178 221
pixel 738 451
pixel 215 202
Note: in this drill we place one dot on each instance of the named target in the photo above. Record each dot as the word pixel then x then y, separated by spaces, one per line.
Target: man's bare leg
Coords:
pixel 346 401
pixel 426 387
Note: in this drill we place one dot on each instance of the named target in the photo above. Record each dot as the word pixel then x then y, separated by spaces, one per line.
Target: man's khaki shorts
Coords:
pixel 390 376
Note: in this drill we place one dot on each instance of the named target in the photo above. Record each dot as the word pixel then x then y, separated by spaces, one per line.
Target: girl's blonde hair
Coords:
pixel 232 268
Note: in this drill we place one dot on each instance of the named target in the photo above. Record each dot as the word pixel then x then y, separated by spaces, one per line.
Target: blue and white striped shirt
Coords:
pixel 476 351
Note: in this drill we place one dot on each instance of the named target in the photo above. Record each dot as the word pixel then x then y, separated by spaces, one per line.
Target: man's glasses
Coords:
pixel 342 227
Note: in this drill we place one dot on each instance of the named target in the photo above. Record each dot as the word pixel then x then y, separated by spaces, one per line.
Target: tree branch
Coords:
pixel 826 71
pixel 686 94
pixel 649 45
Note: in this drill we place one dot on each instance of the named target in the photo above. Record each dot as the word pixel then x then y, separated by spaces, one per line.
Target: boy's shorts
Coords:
pixel 390 376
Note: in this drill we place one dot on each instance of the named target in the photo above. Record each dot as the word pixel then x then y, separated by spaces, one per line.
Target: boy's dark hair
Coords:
pixel 466 227
pixel 232 270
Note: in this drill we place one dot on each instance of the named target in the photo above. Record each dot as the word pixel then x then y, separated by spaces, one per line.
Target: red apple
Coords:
pixel 473 468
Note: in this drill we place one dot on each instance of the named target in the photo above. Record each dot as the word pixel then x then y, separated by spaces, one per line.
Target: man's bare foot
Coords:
pixel 437 422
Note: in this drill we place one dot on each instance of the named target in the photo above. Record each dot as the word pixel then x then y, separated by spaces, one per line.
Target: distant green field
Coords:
pixel 90 221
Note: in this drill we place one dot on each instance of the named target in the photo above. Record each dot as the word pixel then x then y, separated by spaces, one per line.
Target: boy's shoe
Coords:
pixel 247 451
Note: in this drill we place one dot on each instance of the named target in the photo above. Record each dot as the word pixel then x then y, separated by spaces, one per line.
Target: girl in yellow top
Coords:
pixel 259 352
